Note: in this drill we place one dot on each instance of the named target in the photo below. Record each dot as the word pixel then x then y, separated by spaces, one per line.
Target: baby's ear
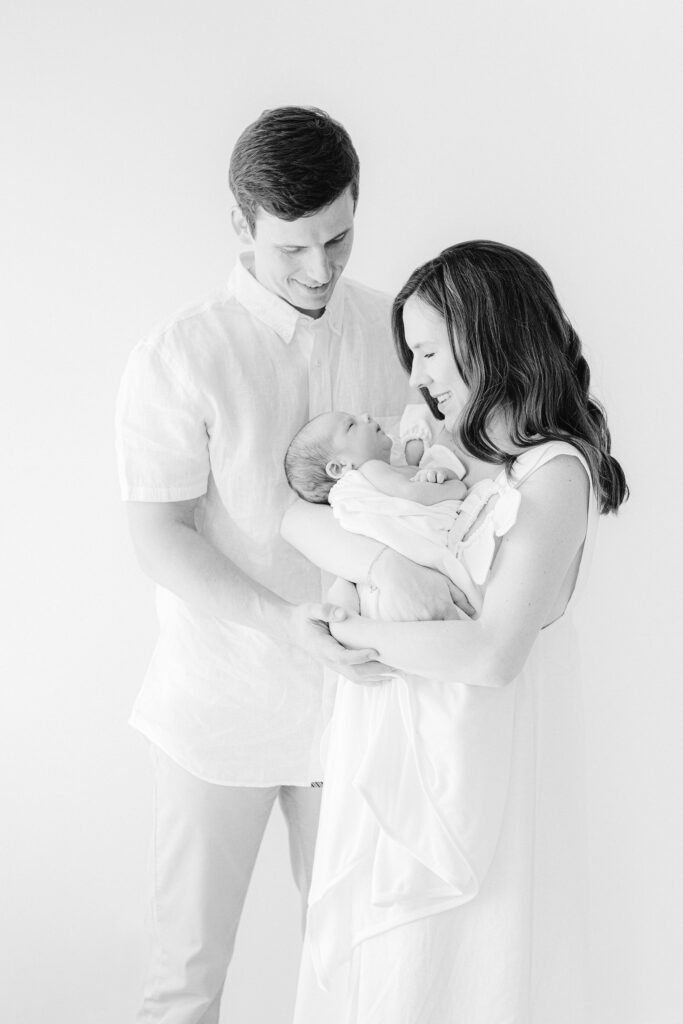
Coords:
pixel 335 469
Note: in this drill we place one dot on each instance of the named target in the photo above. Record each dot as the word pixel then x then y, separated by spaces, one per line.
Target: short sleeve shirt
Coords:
pixel 206 409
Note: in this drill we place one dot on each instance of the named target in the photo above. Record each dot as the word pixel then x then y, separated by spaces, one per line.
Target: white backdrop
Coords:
pixel 548 125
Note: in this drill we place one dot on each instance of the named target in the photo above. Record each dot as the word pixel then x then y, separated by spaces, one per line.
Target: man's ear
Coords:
pixel 241 227
pixel 336 468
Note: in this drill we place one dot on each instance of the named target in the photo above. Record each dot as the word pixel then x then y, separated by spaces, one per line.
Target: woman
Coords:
pixel 448 867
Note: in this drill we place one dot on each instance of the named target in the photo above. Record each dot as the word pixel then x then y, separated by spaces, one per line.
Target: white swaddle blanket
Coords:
pixel 457 537
pixel 417 770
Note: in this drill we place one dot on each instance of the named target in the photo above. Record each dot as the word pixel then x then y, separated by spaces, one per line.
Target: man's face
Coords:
pixel 302 260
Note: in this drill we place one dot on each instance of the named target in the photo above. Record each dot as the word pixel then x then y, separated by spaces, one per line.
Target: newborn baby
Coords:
pixel 427 514
pixel 335 443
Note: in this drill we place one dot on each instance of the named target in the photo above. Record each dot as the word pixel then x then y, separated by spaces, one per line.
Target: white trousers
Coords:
pixel 205 841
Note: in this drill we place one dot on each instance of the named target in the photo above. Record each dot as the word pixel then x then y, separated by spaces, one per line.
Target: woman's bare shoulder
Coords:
pixel 555 496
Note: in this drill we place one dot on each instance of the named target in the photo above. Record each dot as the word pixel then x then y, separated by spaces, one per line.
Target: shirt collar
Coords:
pixel 273 311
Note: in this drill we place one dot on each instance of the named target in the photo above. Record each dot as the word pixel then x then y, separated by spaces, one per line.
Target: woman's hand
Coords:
pixel 408 591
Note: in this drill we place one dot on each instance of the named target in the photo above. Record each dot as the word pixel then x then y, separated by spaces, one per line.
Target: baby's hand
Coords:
pixel 433 475
pixel 414 450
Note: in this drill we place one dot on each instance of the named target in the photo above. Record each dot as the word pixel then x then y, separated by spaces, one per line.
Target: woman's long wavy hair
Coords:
pixel 517 353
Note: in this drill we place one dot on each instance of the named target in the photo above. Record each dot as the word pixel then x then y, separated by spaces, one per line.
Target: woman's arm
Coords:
pixel 344 595
pixel 408 589
pixel 313 530
pixel 529 571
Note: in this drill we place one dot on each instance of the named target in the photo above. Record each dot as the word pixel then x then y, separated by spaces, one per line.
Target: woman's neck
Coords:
pixel 480 469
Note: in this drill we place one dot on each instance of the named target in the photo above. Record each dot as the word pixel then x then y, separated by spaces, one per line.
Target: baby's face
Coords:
pixel 355 439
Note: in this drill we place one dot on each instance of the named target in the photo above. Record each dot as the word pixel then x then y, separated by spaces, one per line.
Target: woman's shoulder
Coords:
pixel 559 460
pixel 556 495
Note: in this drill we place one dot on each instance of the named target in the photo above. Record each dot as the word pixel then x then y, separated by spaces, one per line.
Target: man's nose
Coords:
pixel 366 417
pixel 318 266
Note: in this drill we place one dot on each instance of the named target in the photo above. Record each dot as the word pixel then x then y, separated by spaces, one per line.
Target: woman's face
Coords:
pixel 434 367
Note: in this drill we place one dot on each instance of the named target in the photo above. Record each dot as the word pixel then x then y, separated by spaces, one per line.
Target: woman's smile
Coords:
pixel 441 398
pixel 434 366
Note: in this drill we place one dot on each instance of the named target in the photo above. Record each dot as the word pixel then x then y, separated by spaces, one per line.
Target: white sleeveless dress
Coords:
pixel 450 871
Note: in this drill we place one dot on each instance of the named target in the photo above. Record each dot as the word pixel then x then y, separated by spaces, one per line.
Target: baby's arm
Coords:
pixel 397 483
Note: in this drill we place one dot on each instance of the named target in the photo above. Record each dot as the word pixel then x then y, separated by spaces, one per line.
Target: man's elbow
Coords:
pixel 154 536
pixel 145 551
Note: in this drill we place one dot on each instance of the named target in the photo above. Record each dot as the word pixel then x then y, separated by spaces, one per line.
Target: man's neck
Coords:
pixel 314 314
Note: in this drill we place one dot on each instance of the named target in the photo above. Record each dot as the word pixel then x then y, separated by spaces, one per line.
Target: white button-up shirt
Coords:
pixel 206 409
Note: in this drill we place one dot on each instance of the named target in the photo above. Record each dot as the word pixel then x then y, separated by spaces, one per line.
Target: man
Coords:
pixel 234 702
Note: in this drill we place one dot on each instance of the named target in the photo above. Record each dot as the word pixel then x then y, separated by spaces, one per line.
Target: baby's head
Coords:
pixel 329 445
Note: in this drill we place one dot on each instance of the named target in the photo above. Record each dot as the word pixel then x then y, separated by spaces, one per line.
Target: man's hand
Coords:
pixel 310 631
pixel 408 591
pixel 434 475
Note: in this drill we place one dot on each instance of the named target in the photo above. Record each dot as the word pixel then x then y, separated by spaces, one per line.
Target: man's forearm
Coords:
pixel 184 562
pixel 170 550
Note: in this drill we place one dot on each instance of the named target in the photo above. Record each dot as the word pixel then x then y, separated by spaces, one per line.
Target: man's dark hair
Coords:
pixel 292 162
